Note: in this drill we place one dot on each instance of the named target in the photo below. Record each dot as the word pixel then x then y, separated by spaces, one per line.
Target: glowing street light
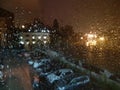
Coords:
pixel 90 35
pixel 101 38
pixel 91 39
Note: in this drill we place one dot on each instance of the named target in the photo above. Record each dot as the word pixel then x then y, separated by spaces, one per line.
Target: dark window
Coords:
pixel 27 35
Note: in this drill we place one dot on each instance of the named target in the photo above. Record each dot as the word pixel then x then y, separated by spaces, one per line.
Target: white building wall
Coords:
pixel 32 38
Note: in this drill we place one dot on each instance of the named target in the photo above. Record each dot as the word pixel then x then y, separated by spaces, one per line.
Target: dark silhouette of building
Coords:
pixel 6 25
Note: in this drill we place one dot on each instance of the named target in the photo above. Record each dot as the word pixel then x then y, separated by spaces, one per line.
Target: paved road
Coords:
pixel 17 73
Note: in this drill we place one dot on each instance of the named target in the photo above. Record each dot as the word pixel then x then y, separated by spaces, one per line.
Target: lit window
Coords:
pixel 102 38
pixel 44 37
pixel 27 43
pixel 21 37
pixel 48 31
pixel 39 37
pixel 33 42
pixel 33 37
pixel 44 30
pixel 21 42
pixel 44 42
pixel 29 30
pixel 81 38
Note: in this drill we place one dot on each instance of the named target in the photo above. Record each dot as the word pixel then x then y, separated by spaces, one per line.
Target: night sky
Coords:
pixel 81 14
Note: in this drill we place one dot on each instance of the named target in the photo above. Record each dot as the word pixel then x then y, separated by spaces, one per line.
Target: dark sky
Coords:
pixel 81 14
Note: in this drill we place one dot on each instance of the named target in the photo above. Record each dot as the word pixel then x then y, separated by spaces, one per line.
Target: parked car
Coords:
pixel 38 63
pixel 115 77
pixel 2 79
pixel 35 82
pixel 30 62
pixel 59 74
pixel 74 84
pixel 44 69
pixel 1 66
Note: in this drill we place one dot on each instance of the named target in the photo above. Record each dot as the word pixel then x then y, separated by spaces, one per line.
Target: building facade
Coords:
pixel 30 39
pixel 36 35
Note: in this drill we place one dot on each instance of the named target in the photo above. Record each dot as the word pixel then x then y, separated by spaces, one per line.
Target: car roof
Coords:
pixel 65 70
pixel 79 77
